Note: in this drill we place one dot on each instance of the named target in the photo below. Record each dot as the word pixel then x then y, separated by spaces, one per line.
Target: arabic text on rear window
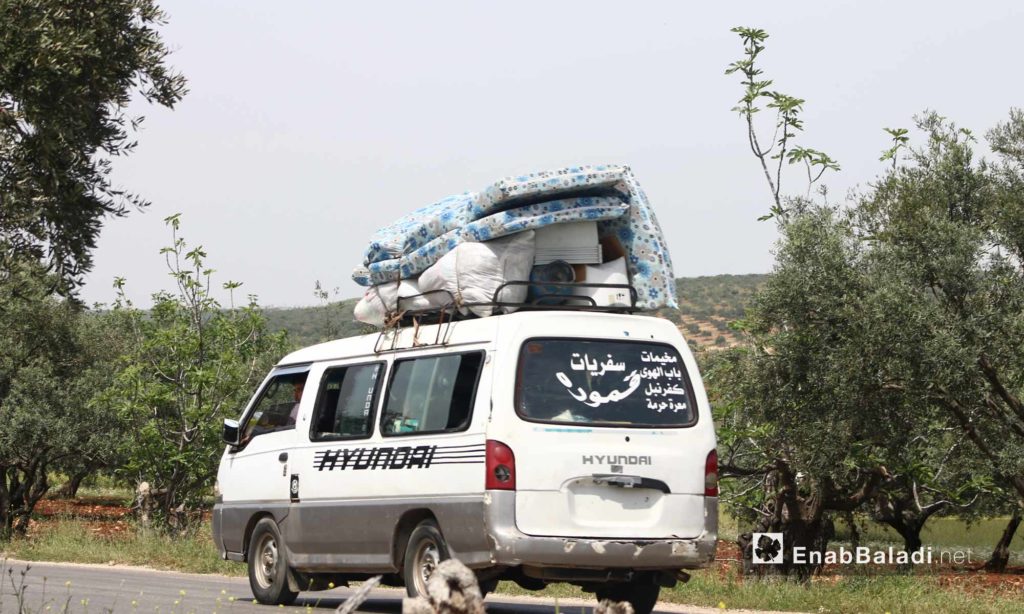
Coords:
pixel 603 383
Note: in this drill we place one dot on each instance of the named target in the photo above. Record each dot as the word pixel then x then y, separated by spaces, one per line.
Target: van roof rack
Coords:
pixel 546 297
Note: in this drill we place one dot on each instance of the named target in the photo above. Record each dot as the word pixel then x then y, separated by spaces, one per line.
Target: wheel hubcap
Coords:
pixel 266 563
pixel 427 558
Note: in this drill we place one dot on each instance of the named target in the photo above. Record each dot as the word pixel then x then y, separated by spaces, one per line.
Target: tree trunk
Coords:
pixel 851 522
pixel 912 538
pixel 905 517
pixel 70 489
pixel 35 487
pixel 6 520
pixel 801 520
pixel 1001 554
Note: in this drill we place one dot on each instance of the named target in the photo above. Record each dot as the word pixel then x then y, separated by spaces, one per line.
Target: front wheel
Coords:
pixel 425 551
pixel 268 569
pixel 642 593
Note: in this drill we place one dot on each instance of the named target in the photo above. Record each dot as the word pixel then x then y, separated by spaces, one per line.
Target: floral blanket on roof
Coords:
pixel 607 194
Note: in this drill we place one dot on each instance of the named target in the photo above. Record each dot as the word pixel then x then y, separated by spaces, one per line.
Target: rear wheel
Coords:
pixel 488 586
pixel 268 568
pixel 642 593
pixel 425 551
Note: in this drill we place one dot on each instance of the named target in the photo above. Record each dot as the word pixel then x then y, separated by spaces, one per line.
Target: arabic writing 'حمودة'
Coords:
pixel 635 379
pixel 595 398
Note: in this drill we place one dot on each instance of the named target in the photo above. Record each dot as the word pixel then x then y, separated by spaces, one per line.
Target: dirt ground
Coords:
pixel 108 519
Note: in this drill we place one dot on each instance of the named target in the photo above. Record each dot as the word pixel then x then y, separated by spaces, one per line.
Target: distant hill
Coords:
pixel 311 325
pixel 706 306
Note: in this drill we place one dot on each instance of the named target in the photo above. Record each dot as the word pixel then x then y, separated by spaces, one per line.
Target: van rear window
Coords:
pixel 603 383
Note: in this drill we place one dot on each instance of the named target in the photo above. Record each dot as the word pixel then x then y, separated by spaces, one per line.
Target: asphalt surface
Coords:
pixel 97 589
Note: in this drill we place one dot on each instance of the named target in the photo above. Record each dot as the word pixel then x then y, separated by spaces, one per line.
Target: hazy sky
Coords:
pixel 311 124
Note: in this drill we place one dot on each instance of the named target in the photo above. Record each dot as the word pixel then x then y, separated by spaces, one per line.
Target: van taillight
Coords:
pixel 501 466
pixel 711 474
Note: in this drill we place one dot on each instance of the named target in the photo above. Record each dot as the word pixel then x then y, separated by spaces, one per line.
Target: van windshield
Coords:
pixel 603 383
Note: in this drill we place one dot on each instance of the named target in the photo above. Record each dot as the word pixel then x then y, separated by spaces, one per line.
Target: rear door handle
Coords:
pixel 631 481
pixel 283 456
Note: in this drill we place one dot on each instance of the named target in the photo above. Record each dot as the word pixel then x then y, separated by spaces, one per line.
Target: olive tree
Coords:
pixel 69 69
pixel 884 369
pixel 799 430
pixel 949 230
pixel 55 362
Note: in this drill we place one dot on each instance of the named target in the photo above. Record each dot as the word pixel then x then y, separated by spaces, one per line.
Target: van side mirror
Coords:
pixel 231 432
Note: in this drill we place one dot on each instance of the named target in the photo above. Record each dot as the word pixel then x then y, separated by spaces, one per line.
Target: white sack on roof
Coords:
pixel 382 300
pixel 472 272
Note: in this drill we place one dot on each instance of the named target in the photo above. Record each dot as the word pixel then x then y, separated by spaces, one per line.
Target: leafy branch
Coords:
pixel 787 122
pixel 900 141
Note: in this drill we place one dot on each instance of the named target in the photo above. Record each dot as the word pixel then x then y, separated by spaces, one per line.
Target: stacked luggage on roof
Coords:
pixel 590 224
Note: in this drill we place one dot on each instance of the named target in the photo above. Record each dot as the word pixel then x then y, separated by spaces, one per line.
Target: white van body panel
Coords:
pixel 260 458
pixel 355 497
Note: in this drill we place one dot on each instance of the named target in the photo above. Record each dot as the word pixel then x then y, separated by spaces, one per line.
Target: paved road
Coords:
pixel 95 589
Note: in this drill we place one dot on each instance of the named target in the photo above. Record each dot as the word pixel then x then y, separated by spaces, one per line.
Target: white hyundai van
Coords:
pixel 537 447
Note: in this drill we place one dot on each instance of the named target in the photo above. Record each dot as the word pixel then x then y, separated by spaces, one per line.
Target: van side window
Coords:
pixel 432 394
pixel 344 407
pixel 277 407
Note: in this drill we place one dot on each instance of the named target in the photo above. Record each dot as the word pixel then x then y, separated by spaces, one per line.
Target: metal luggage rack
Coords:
pixel 449 312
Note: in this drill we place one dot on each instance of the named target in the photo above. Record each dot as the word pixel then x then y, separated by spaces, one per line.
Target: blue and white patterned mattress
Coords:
pixel 607 194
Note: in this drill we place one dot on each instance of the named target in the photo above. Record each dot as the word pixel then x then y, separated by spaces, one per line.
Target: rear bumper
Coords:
pixel 511 547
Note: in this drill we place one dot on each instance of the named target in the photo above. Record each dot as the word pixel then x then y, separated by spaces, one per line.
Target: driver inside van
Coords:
pixel 298 385
pixel 278 409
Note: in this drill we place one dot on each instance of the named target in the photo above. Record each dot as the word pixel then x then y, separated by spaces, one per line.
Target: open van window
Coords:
pixel 603 383
pixel 277 407
pixel 431 394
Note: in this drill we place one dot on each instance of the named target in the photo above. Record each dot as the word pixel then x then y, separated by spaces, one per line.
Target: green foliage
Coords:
pixel 69 539
pixel 788 122
pixel 54 359
pixel 69 69
pixel 885 370
pixel 946 235
pixel 192 363
pixel 797 436
pixel 887 331
pixel 899 141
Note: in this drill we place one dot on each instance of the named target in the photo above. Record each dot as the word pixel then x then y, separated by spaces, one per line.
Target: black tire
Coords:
pixel 487 587
pixel 268 567
pixel 426 548
pixel 642 593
